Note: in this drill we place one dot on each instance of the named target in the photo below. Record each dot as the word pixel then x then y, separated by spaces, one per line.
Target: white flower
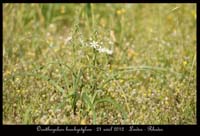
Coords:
pixel 104 50
pixel 94 44
pixel 109 52
pixel 68 39
pixel 100 49
pixel 110 42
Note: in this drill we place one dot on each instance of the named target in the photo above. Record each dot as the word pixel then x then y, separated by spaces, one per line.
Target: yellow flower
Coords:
pixel 121 81
pixel 14 69
pixel 166 103
pixel 62 9
pixel 7 72
pixel 166 100
pixel 149 92
pixel 120 11
pixel 18 91
pixel 17 79
pixel 57 70
pixel 83 122
pixel 184 63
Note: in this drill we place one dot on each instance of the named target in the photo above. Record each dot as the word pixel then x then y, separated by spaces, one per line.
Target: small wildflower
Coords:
pixel 17 79
pixel 68 39
pixel 104 50
pixel 52 27
pixel 18 91
pixel 121 81
pixel 48 34
pixel 184 63
pixel 14 69
pixel 83 122
pixel 174 33
pixel 7 72
pixel 150 78
pixel 36 111
pixel 94 44
pixel 99 48
pixel 57 70
pixel 110 42
pixel 166 103
pixel 149 92
pixel 120 11
pixel 133 92
pixel 14 105
pixel 62 9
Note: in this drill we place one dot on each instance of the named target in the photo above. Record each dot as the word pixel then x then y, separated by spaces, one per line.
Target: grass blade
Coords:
pixel 46 78
pixel 90 105
pixel 109 100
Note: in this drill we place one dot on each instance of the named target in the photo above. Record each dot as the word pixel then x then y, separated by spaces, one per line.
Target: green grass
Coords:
pixel 143 73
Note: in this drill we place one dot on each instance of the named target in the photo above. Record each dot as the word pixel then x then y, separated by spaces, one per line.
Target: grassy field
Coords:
pixel 99 64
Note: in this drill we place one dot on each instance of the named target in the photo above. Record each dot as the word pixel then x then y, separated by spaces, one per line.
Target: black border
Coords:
pixel 167 129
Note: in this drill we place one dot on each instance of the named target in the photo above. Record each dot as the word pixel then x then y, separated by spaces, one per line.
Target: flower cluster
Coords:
pixel 97 45
pixel 99 48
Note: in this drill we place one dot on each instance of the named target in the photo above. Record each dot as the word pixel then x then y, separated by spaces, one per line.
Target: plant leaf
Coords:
pixel 118 106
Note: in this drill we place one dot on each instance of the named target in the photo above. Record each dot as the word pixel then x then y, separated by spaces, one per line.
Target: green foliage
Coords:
pixel 99 63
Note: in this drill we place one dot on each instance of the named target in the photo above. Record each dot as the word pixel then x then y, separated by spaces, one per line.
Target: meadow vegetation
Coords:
pixel 99 63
